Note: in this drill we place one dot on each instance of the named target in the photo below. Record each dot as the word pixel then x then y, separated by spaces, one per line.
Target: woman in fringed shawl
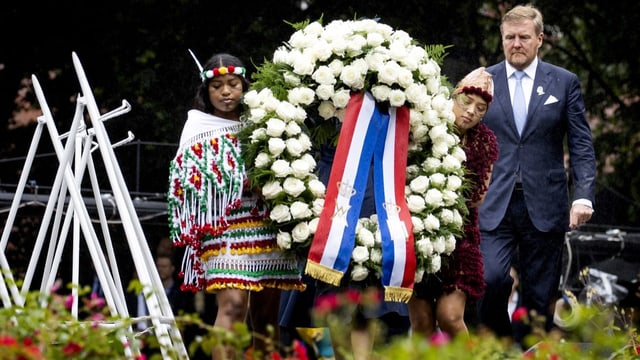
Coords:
pixel 229 249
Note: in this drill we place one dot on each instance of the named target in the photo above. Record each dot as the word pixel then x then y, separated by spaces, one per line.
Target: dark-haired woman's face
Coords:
pixel 225 94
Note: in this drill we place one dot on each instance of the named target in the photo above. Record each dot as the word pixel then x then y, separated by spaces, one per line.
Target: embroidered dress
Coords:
pixel 217 219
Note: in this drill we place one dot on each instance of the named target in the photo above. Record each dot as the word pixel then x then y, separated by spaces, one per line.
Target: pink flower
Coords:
pixel 68 302
pixel 72 348
pixel 439 338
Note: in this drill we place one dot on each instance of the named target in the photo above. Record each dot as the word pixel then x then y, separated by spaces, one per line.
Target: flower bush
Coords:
pixel 34 331
pixel 295 106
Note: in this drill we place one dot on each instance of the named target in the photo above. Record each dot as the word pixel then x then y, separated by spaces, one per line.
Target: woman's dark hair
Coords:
pixel 201 101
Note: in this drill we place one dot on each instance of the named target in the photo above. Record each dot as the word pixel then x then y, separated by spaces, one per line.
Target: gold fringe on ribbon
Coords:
pixel 397 294
pixel 323 273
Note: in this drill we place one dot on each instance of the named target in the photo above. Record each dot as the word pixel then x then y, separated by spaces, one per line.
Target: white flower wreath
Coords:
pixel 306 86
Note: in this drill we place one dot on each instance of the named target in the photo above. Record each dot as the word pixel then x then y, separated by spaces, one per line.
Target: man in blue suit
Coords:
pixel 528 208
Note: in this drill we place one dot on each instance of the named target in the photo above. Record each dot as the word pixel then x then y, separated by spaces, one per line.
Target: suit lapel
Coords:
pixel 540 89
pixel 502 98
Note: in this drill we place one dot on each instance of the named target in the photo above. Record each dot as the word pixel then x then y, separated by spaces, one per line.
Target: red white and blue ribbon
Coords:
pixel 367 134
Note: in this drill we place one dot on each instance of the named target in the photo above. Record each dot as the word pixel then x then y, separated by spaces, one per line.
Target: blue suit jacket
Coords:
pixel 556 111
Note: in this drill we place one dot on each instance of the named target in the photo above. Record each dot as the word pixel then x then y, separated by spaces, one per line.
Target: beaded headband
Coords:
pixel 222 70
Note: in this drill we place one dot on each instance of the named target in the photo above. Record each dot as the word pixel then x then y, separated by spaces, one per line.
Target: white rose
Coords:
pixel 450 163
pixel 376 256
pixel 454 182
pixel 305 142
pixel 326 110
pixel 280 213
pixel 365 237
pixel 301 95
pixel 431 223
pixel 419 184
pixel 317 206
pixel 256 115
pixel 388 74
pixel 438 179
pixel 271 190
pixel 446 216
pixel 435 264
pixel 287 111
pixel 300 210
pixel 341 98
pixel 293 186
pixel 416 203
pixel 459 154
pixel 258 134
pixel 418 226
pixel 424 247
pixel 419 275
pixel 292 129
pixel 317 187
pixel 449 197
pixel 457 218
pixel 405 78
pixel 300 168
pixel 449 244
pixel 324 92
pixel 262 160
pixel 300 232
pixel 352 77
pixel 276 146
pixel 433 197
pixel 336 66
pixel 308 158
pixel 381 92
pixel 303 65
pixel 359 273
pixel 431 164
pixel 439 147
pixel 294 147
pixel 438 244
pixel 251 99
pixel 281 168
pixel 360 254
pixel 313 225
pixel 397 98
pixel 324 76
pixel 291 78
pixel 438 131
pixel 284 240
pixel 275 127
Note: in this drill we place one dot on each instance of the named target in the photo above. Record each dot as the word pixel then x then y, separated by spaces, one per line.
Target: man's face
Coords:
pixel 165 267
pixel 520 43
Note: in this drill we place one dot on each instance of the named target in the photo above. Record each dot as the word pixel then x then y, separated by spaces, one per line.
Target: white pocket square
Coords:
pixel 550 100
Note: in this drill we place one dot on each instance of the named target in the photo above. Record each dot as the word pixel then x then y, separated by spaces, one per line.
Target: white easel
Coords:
pixel 79 146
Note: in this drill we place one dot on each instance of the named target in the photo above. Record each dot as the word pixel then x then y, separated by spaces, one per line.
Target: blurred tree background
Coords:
pixel 137 50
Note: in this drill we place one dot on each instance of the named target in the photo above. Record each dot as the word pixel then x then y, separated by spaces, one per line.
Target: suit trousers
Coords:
pixel 539 264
